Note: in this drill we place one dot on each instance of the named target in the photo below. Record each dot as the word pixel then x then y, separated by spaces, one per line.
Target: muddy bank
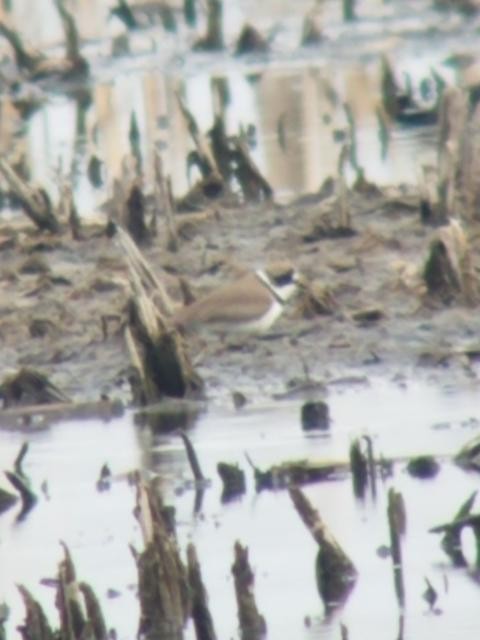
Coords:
pixel 63 302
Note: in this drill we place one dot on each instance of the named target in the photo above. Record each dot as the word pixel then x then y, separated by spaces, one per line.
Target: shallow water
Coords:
pixel 293 98
pixel 98 527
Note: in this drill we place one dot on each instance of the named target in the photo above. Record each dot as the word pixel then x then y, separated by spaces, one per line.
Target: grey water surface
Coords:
pixel 99 527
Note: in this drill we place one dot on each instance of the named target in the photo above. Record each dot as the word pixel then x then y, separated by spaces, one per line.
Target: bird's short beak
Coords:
pixel 300 280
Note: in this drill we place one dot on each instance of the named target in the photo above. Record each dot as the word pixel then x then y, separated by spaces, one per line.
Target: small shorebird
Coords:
pixel 250 304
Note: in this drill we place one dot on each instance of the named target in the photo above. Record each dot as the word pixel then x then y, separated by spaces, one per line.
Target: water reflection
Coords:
pixel 99 526
pixel 302 117
pixel 303 105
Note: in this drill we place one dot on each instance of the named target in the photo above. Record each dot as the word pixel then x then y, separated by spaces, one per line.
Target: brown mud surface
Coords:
pixel 54 318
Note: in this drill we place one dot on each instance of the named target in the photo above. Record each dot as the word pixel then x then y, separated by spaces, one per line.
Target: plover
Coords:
pixel 250 304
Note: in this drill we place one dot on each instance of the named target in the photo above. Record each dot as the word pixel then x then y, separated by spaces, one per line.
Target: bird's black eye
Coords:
pixel 285 277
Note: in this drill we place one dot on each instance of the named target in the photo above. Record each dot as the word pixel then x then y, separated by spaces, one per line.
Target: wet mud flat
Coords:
pixel 63 301
pixel 337 429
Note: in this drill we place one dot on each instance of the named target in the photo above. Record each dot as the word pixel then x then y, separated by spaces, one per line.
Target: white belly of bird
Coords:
pixel 259 324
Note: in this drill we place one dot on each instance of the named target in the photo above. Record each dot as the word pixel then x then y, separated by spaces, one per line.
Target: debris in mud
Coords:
pixel 335 572
pixel 252 623
pixel 368 315
pixel 318 299
pixel 29 387
pixel 315 415
pixel 333 220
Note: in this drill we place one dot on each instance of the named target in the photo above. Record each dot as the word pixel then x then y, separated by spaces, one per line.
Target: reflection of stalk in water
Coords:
pixel 134 138
pixel 352 126
pixel 348 10
pixel 396 523
pixel 383 132
pixel 190 12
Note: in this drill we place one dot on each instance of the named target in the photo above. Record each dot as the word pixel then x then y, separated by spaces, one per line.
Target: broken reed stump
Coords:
pixel 67 210
pixel 362 466
pixel 250 40
pixel 158 353
pixel 203 149
pixel 75 62
pixel 335 572
pixel 163 584
pixel 79 611
pixel 315 415
pixel 96 622
pixel 25 58
pixel 35 625
pixel 396 524
pixel 190 12
pixel 449 272
pixel 138 264
pixel 37 65
pixel 202 618
pixel 192 458
pixel 135 214
pixel 164 202
pixel 213 39
pixel 79 608
pixel 452 539
pixel 252 623
pixel 157 350
pixel 69 603
pixel 254 185
pixel 124 13
pixel 34 200
pixel 359 469
pixel 233 480
pixel 299 472
pixel 312 29
pixel 349 10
